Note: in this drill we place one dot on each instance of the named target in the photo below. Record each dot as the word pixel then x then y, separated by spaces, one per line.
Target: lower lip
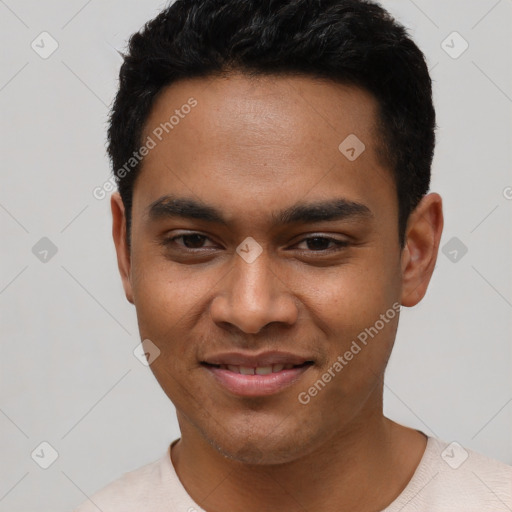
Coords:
pixel 256 385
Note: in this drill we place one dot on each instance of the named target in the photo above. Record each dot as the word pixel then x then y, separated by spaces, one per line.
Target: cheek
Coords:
pixel 165 301
pixel 163 298
pixel 350 296
pixel 357 308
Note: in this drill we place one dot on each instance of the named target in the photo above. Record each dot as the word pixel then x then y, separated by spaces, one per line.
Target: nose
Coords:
pixel 252 296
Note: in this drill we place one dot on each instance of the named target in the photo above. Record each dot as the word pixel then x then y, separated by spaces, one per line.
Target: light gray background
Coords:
pixel 68 373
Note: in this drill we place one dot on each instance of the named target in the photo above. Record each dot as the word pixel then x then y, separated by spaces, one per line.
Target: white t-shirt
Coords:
pixel 448 478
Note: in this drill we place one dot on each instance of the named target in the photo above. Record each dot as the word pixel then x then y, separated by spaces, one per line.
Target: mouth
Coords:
pixel 254 381
pixel 257 370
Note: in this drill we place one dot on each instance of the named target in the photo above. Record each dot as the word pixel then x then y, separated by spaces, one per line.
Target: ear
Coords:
pixel 119 235
pixel 422 238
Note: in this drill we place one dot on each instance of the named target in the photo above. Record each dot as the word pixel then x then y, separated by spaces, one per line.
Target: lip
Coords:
pixel 255 360
pixel 257 385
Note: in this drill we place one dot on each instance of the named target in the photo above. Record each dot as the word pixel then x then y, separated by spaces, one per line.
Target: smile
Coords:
pixel 256 381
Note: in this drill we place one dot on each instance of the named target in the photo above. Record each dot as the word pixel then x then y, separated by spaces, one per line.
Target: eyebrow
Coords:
pixel 170 206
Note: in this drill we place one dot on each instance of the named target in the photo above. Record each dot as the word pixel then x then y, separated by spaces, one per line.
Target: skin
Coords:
pixel 251 147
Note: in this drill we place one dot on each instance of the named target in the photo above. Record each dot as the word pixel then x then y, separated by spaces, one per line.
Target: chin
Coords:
pixel 259 448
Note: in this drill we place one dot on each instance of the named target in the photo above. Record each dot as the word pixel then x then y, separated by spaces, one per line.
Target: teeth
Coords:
pixel 263 370
pixel 260 370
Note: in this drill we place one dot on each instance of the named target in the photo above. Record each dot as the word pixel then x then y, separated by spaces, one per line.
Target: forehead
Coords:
pixel 262 140
pixel 294 112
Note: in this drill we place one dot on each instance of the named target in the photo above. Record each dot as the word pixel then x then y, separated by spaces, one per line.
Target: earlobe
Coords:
pixel 119 236
pixel 419 256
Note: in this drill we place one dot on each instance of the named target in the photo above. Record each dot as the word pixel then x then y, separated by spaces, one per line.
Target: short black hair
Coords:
pixel 352 42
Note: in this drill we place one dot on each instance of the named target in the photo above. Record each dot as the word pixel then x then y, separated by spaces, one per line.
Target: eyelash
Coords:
pixel 340 243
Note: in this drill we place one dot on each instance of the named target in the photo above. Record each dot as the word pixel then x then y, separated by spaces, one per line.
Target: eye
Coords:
pixel 195 241
pixel 191 241
pixel 320 244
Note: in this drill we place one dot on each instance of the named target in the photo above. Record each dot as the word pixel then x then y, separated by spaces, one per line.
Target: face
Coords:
pixel 257 242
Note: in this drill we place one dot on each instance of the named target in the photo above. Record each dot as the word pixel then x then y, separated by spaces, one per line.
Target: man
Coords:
pixel 273 215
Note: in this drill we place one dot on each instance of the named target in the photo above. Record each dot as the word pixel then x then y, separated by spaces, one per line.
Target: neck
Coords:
pixel 362 468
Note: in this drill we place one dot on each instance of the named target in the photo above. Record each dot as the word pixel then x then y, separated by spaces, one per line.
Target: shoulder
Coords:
pixel 453 478
pixel 468 467
pixel 140 490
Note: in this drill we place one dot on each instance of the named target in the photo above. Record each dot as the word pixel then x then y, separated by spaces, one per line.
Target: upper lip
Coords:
pixel 256 360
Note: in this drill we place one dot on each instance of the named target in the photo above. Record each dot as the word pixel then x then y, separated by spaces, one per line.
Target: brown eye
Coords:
pixel 189 241
pixel 318 244
pixel 321 244
pixel 194 241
